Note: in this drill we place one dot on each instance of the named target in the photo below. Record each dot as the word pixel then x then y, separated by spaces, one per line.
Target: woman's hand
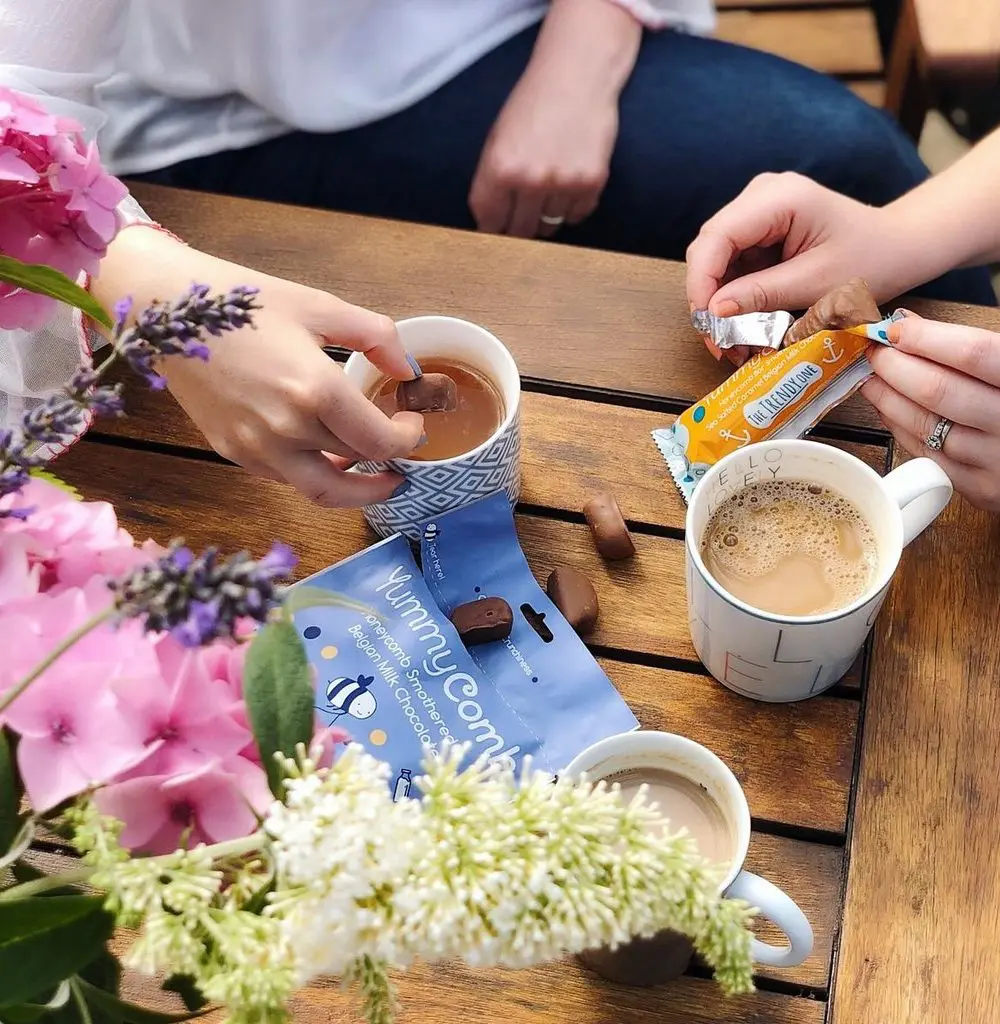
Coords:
pixel 269 398
pixel 548 156
pixel 936 371
pixel 782 243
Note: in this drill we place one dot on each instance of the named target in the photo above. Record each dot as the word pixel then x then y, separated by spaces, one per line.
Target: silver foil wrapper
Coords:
pixel 755 330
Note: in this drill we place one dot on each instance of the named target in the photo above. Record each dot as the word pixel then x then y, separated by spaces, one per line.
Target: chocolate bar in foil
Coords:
pixel 755 330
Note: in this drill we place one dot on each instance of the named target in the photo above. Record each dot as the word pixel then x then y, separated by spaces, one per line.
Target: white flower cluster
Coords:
pixel 485 868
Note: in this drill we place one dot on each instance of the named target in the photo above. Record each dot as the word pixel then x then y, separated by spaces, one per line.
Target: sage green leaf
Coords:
pixel 302 596
pixel 46 939
pixel 24 1013
pixel 42 280
pixel 11 792
pixel 131 1013
pixel 278 690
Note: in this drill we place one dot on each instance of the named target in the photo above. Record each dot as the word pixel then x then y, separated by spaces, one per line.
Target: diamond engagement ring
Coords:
pixel 936 438
pixel 552 222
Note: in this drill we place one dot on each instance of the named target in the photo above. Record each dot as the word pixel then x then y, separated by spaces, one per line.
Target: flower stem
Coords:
pixel 57 652
pixel 81 1002
pixel 39 885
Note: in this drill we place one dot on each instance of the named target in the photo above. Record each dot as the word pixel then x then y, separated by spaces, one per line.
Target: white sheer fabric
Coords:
pixel 167 80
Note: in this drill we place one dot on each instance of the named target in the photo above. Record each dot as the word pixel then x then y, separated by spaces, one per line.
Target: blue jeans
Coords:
pixel 699 118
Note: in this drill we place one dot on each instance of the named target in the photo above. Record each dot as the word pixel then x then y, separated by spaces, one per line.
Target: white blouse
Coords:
pixel 168 80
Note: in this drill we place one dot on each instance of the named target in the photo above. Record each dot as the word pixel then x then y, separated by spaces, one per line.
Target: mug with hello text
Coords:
pixel 781 657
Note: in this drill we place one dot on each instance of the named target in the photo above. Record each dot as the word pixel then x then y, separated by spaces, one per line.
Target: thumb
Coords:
pixel 795 284
pixel 362 330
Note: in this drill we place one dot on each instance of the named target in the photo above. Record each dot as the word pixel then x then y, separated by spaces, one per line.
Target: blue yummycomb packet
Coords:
pixel 393 672
pixel 553 683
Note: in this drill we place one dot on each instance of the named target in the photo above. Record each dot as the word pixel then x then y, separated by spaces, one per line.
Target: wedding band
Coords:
pixel 552 222
pixel 936 438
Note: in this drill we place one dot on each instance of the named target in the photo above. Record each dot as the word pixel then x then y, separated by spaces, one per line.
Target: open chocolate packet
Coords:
pixel 392 672
pixel 543 670
pixel 783 391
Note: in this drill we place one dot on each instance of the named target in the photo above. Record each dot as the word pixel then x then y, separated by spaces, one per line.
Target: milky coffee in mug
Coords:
pixel 791 547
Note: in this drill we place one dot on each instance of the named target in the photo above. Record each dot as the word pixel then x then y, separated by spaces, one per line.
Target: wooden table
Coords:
pixel 876 805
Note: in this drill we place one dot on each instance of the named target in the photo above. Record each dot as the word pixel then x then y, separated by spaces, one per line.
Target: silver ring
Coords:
pixel 552 222
pixel 936 438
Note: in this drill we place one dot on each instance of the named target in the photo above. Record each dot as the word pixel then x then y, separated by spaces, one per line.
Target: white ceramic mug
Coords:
pixel 783 658
pixel 443 485
pixel 665 751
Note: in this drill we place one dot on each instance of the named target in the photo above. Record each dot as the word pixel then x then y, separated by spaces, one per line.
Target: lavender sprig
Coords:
pixel 163 329
pixel 199 598
pixel 175 329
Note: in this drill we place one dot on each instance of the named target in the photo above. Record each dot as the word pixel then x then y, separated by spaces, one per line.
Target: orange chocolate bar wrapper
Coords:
pixel 774 395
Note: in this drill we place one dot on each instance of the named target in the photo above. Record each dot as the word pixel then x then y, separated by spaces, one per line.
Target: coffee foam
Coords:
pixel 768 523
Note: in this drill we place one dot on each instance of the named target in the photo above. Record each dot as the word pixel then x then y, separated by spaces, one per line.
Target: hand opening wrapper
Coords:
pixel 776 394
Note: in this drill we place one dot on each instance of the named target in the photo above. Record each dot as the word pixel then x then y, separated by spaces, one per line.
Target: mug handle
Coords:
pixel 780 909
pixel 922 490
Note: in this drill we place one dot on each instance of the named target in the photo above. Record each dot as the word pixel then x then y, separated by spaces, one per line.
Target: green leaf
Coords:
pixel 45 939
pixel 184 986
pixel 112 1006
pixel 299 597
pixel 278 690
pixel 11 792
pixel 24 1013
pixel 51 478
pixel 42 280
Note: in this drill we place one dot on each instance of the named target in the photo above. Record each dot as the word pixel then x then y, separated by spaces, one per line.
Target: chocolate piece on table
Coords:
pixel 430 392
pixel 850 305
pixel 482 622
pixel 574 595
pixel 607 524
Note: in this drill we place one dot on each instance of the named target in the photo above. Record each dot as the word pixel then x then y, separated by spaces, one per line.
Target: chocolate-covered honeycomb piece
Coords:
pixel 574 595
pixel 607 524
pixel 483 621
pixel 430 392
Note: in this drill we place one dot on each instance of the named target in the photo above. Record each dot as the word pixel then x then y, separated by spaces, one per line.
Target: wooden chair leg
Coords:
pixel 907 94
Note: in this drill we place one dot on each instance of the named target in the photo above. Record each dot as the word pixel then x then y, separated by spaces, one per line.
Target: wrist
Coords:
pixel 591 44
pixel 919 246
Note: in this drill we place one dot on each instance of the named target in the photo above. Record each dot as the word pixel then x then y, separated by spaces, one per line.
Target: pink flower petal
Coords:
pixel 14 168
pixel 140 804
pixel 50 772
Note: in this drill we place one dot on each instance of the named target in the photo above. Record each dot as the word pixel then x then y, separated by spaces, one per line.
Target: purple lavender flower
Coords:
pixel 199 598
pixel 100 399
pixel 175 329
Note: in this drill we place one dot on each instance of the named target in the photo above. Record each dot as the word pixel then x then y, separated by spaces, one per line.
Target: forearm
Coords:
pixel 592 43
pixel 951 220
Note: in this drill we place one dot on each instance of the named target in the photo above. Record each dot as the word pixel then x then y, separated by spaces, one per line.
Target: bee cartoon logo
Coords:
pixel 431 532
pixel 353 697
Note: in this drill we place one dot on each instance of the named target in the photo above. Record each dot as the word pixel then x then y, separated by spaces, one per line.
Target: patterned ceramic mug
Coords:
pixel 440 486
pixel 782 658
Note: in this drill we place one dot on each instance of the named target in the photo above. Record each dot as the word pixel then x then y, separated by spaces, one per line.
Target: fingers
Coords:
pixel 363 427
pixel 491 203
pixel 758 217
pixel 937 388
pixel 326 481
pixel 969 350
pixel 526 218
pixel 963 444
pixel 361 330
pixel 556 207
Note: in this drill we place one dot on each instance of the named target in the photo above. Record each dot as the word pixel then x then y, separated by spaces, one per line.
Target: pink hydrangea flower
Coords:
pixel 72 732
pixel 70 541
pixel 161 813
pixel 59 203
pixel 190 717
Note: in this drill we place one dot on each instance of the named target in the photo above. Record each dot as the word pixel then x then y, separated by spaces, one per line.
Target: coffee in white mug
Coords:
pixel 791 547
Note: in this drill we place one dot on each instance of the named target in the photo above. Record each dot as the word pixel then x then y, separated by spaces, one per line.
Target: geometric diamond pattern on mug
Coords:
pixel 435 490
